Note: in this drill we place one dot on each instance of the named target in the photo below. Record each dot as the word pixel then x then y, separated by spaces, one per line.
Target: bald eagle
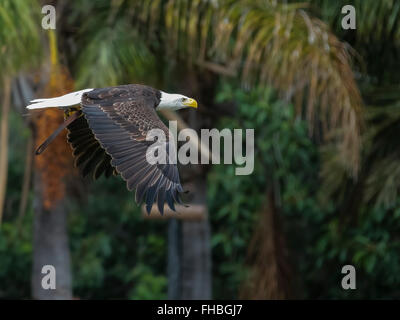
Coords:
pixel 107 133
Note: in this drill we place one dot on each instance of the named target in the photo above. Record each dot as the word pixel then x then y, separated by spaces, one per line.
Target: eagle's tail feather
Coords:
pixel 67 100
pixel 66 123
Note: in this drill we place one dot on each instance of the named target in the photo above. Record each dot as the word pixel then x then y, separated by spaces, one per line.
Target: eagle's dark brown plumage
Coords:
pixel 109 136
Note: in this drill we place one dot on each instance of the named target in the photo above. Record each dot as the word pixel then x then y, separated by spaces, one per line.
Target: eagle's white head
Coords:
pixel 175 102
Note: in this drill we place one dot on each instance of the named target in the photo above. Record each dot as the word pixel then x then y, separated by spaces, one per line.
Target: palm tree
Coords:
pixel 376 34
pixel 18 31
pixel 20 44
pixel 51 177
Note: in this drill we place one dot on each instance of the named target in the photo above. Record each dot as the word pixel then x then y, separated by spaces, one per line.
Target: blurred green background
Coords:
pixel 325 106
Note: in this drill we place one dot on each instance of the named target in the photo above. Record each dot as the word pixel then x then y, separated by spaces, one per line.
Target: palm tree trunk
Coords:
pixel 50 238
pixel 174 259
pixel 189 251
pixel 26 183
pixel 196 261
pixel 4 143
pixel 196 252
pixel 50 243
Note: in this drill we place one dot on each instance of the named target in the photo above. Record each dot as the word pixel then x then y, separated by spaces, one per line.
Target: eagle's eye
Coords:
pixel 183 99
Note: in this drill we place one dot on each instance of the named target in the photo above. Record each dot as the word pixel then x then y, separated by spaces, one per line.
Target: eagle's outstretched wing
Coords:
pixel 119 121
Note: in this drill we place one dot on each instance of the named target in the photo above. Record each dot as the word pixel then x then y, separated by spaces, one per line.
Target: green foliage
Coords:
pixel 115 252
pixel 284 159
pixel 113 55
pixel 371 246
pixel 15 244
pixel 147 285
pixel 377 34
pixel 319 244
pixel 16 260
pixel 19 30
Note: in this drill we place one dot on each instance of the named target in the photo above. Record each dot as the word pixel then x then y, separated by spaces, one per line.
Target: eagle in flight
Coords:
pixel 107 131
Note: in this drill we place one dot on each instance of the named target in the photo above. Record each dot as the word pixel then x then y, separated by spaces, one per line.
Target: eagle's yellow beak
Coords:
pixel 190 103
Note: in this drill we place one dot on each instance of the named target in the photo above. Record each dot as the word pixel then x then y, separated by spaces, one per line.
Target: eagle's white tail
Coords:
pixel 69 99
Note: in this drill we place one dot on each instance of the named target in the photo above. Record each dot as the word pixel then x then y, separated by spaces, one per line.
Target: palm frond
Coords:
pixel 377 34
pixel 376 20
pixel 19 35
pixel 113 54
pixel 275 44
pixel 383 182
pixel 261 41
pixel 379 180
